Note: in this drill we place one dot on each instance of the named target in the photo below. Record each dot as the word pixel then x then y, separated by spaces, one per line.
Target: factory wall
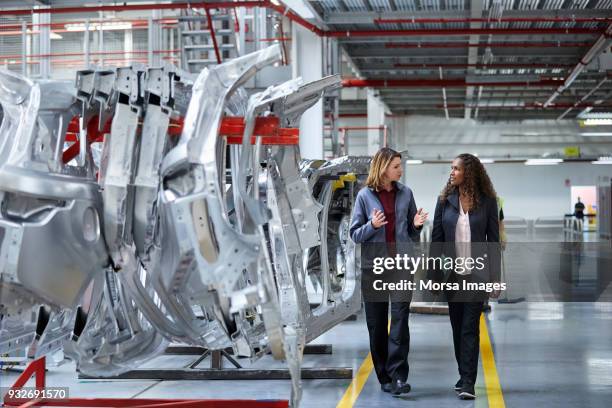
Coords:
pixel 529 192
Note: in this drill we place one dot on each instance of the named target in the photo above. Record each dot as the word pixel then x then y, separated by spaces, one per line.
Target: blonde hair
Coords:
pixel 381 161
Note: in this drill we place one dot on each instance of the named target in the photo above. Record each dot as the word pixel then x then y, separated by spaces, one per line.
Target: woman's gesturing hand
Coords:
pixel 378 218
pixel 420 218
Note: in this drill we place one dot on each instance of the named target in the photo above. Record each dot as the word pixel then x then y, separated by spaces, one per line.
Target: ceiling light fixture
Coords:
pixel 596 134
pixel 603 160
pixel 597 121
pixel 542 162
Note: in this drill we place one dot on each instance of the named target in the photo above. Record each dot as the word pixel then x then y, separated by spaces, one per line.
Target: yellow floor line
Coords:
pixel 493 388
pixel 354 389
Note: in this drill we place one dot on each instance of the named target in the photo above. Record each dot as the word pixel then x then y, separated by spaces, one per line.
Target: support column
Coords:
pixel 154 39
pixel 86 55
pixel 24 49
pixel 307 62
pixel 376 119
pixel 44 42
pixel 128 47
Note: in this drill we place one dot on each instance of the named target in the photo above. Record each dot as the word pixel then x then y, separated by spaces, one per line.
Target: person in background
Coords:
pixel 579 214
pixel 466 213
pixel 385 212
pixel 502 240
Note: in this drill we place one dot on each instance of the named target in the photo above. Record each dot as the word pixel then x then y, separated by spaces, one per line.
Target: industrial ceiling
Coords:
pixel 484 59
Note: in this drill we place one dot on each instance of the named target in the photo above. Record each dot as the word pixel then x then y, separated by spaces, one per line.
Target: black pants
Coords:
pixel 465 320
pixel 389 348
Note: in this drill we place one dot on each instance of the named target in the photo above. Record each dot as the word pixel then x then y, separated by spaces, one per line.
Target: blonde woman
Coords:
pixel 385 212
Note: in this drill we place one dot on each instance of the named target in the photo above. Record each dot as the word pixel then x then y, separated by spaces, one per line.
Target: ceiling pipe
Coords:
pixel 531 106
pixel 444 96
pixel 448 83
pixel 550 44
pixel 584 98
pixel 462 31
pixel 480 65
pixel 568 19
pixel 602 43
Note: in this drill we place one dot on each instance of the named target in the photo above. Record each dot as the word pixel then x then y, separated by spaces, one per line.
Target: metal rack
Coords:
pixel 217 371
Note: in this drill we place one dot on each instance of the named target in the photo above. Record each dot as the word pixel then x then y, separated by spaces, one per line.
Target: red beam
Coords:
pixel 528 106
pixel 551 44
pixel 493 21
pixel 267 127
pixel 76 54
pixel 463 31
pixel 134 7
pixel 231 127
pixel 213 36
pixel 483 66
pixel 447 83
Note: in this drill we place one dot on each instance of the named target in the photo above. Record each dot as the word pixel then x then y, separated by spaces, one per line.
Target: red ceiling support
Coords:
pixel 213 36
pixel 448 83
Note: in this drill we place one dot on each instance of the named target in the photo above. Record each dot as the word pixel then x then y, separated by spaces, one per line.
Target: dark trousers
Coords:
pixel 389 349
pixel 465 321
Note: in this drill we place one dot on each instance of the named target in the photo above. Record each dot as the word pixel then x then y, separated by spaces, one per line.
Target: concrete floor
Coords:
pixel 546 355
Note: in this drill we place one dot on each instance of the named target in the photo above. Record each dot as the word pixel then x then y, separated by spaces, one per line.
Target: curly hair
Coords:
pixel 476 181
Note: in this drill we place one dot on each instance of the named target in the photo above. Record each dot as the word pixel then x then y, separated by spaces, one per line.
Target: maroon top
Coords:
pixel 387 199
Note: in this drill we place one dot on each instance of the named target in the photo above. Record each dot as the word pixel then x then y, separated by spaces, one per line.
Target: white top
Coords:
pixel 463 237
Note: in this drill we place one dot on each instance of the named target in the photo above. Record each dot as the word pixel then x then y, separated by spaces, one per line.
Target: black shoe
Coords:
pixel 400 387
pixel 458 385
pixel 467 392
pixel 386 387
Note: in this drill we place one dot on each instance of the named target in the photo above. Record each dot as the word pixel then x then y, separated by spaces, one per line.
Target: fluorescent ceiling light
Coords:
pixel 542 162
pixel 603 160
pixel 414 161
pixel 595 134
pixel 487 161
pixel 538 134
pixel 597 122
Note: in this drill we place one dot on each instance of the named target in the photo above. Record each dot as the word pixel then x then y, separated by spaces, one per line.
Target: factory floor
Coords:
pixel 533 354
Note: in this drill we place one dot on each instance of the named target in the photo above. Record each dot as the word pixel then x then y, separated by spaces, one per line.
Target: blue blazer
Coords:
pixel 361 228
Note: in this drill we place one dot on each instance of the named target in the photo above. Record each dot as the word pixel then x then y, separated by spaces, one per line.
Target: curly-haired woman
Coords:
pixel 466 213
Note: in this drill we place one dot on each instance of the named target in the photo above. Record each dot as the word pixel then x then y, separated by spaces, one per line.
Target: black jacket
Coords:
pixel 484 230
